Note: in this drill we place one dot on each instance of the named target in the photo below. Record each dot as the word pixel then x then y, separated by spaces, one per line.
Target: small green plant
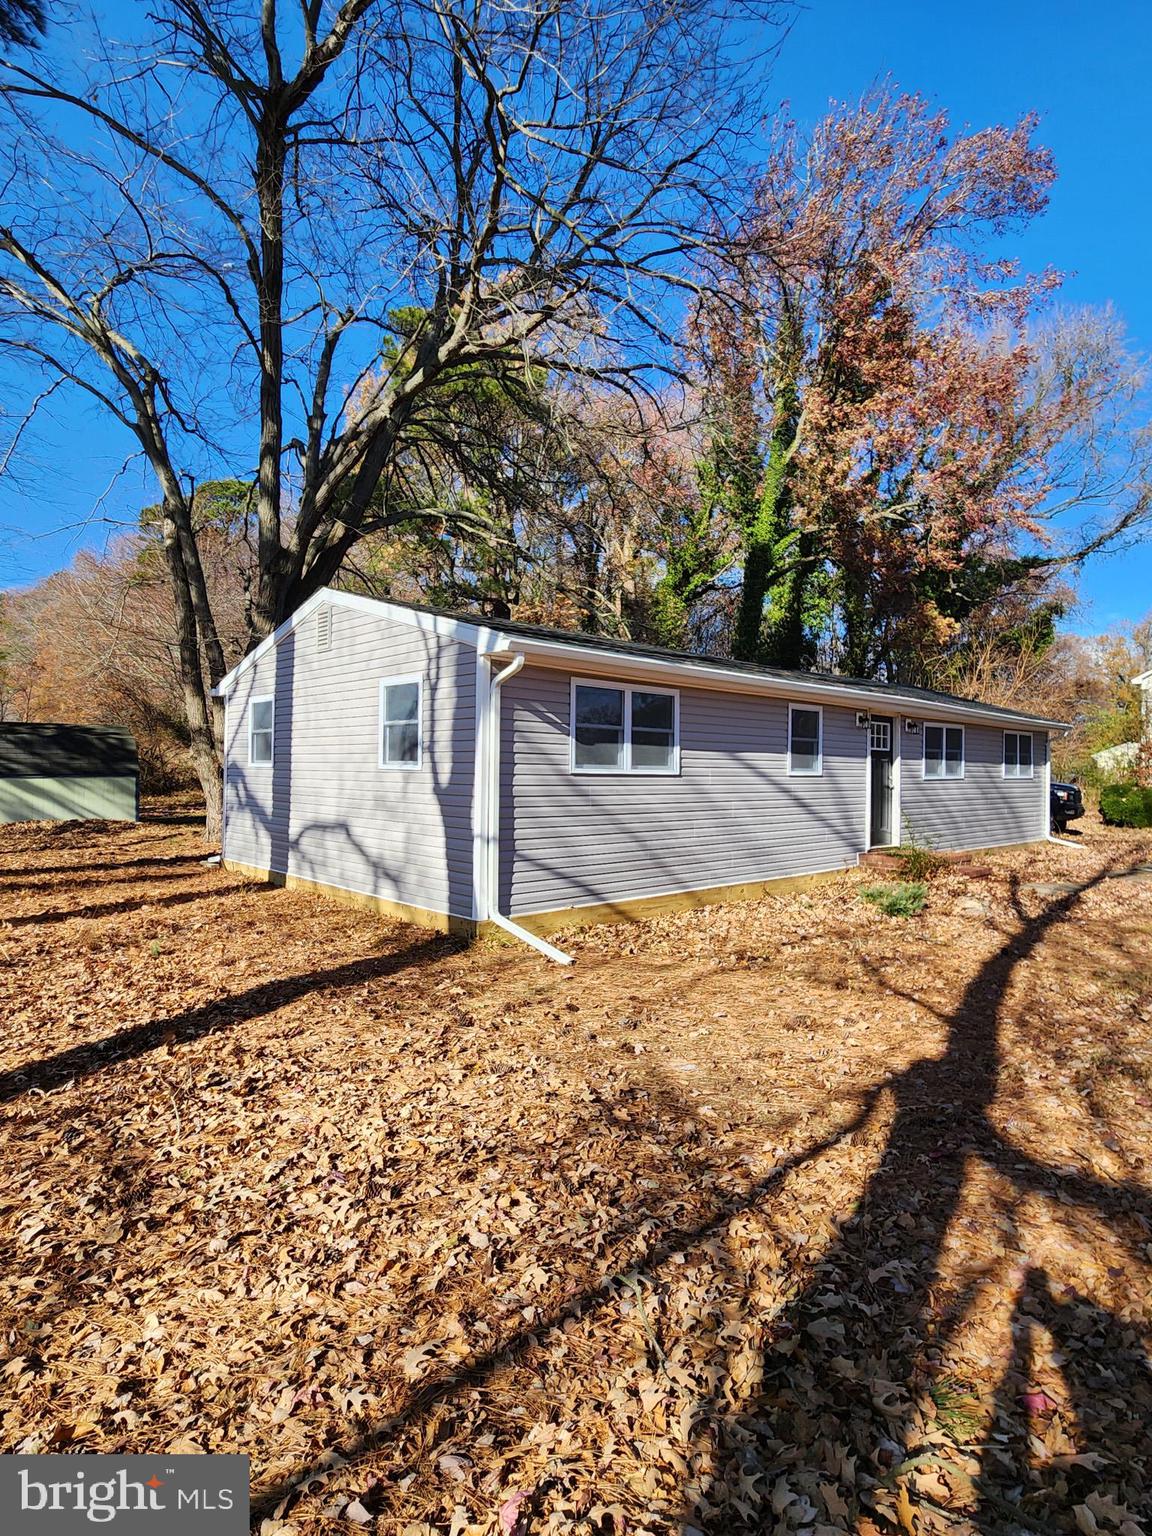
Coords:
pixel 903 900
pixel 1126 805
pixel 921 863
pixel 918 854
pixel 155 949
pixel 958 1410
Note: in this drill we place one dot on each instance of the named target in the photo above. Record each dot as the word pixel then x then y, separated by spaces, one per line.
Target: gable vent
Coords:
pixel 324 629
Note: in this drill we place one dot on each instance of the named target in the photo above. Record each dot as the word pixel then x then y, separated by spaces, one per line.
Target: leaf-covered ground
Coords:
pixel 785 1216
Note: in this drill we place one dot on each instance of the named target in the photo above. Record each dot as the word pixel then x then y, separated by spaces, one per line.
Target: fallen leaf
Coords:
pixel 904 1510
pixel 510 1518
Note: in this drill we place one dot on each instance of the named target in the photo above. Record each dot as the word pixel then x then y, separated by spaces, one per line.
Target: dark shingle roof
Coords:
pixel 32 751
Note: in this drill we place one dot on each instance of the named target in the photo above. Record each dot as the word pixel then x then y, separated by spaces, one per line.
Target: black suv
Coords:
pixel 1066 803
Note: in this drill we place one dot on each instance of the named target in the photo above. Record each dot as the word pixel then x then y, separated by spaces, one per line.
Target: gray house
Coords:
pixel 462 772
pixel 62 772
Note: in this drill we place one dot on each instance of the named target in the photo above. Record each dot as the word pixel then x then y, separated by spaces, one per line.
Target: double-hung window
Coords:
pixel 805 740
pixel 1017 754
pixel 261 719
pixel 943 751
pixel 624 730
pixel 400 734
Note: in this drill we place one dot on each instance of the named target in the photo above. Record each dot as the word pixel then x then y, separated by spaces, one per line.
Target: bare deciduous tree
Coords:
pixel 227 229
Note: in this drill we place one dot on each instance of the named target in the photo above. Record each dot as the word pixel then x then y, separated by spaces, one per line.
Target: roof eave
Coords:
pixel 601 663
pixel 624 664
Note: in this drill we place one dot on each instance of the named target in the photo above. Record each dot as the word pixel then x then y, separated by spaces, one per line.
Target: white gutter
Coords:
pixel 490 901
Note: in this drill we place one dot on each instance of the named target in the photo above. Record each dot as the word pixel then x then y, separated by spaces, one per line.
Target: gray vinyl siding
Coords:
pixel 983 808
pixel 731 815
pixel 67 799
pixel 326 810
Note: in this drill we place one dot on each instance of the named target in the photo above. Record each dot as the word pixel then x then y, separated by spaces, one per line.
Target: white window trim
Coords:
pixel 261 698
pixel 627 689
pixel 807 773
pixel 943 778
pixel 393 682
pixel 1031 774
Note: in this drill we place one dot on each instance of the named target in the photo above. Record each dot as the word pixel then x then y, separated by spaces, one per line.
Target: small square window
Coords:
pixel 261 722
pixel 880 735
pixel 400 736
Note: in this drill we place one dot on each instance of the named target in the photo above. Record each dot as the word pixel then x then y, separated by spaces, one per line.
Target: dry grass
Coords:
pixel 785 1216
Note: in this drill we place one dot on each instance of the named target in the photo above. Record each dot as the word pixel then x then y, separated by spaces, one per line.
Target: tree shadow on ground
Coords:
pixel 850 1373
pixel 851 1361
pixel 117 908
pixel 164 818
pixel 1030 1463
pixel 228 1012
pixel 174 861
pixel 48 885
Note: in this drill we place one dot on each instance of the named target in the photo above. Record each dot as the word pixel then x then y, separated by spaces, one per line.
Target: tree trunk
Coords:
pixel 858 656
pixel 758 564
pixel 769 560
pixel 268 596
pixel 788 639
pixel 776 566
pixel 209 771
pixel 202 714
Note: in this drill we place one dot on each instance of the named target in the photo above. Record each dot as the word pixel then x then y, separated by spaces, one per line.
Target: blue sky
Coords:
pixel 1084 68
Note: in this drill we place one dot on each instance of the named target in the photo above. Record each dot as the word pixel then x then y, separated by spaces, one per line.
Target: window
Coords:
pixel 1017 754
pixel 261 715
pixel 880 735
pixel 400 743
pixel 943 751
pixel 624 730
pixel 653 731
pixel 805 740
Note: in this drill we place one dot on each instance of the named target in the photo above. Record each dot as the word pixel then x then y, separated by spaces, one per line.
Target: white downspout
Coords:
pixel 1049 835
pixel 491 905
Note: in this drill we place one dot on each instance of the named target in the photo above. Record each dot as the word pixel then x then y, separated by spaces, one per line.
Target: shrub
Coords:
pixel 1126 805
pixel 921 863
pixel 897 900
pixel 918 854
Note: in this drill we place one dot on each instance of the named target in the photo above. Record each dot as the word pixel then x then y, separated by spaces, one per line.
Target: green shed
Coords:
pixel 68 772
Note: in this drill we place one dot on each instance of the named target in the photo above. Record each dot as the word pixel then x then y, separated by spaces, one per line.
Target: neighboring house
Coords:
pixel 1120 761
pixel 1117 762
pixel 64 772
pixel 460 771
pixel 1143 681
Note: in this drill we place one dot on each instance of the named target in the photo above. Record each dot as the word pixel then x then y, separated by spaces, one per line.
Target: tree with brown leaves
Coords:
pixel 921 444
